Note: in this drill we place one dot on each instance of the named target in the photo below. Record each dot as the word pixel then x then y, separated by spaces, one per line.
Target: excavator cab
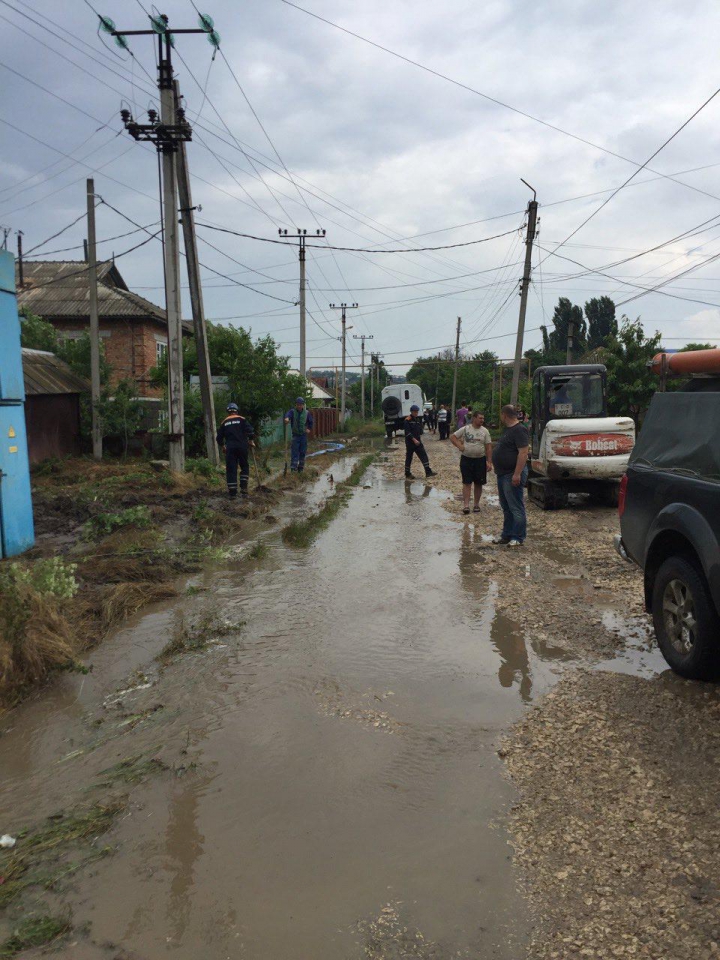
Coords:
pixel 575 446
pixel 567 393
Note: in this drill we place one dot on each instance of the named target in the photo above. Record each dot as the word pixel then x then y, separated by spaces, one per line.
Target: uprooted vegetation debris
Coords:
pixel 34 931
pixel 111 537
pixel 195 637
pixel 53 851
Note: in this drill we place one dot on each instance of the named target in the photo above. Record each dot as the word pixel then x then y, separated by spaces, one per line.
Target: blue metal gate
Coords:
pixel 16 518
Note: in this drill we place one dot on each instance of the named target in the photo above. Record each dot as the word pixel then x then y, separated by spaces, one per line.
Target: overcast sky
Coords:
pixel 379 150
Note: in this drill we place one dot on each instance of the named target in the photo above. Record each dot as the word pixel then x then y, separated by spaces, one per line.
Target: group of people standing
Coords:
pixel 479 456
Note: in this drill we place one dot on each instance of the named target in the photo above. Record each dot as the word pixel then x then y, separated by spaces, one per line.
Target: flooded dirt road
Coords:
pixel 344 796
pixel 311 769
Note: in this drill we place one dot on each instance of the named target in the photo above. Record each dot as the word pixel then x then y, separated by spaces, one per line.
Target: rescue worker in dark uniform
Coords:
pixel 235 434
pixel 413 442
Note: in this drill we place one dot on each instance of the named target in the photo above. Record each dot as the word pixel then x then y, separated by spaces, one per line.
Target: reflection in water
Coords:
pixel 410 497
pixel 184 845
pixel 506 635
pixel 514 660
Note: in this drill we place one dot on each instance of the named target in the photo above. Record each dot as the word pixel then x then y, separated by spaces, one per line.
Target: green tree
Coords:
pixel 122 413
pixel 39 334
pixel 696 346
pixel 631 384
pixel 474 382
pixel 555 342
pixel 258 379
pixel 601 322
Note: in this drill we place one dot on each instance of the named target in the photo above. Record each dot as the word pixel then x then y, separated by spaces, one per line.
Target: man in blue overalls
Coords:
pixel 235 435
pixel 301 424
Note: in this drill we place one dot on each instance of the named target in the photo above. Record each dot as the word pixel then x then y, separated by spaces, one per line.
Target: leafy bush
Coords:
pixel 53 576
pixel 105 523
pixel 201 467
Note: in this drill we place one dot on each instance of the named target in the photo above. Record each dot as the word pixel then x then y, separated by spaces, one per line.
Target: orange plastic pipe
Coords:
pixel 691 361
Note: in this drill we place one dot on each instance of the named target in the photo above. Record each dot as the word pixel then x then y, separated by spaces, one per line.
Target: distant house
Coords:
pixel 320 397
pixel 52 406
pixel 133 330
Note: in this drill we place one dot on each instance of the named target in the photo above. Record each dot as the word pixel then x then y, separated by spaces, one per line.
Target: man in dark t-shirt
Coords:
pixel 510 462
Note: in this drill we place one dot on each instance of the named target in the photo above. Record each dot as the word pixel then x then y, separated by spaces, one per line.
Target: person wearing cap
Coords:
pixel 235 436
pixel 413 442
pixel 301 424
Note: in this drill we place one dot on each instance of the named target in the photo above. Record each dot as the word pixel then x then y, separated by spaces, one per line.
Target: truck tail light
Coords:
pixel 622 495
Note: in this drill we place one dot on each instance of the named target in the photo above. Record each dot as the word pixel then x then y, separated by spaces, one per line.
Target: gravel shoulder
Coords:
pixel 615 830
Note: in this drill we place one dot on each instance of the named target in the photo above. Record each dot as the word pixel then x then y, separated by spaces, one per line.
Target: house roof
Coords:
pixel 44 373
pixel 318 393
pixel 56 289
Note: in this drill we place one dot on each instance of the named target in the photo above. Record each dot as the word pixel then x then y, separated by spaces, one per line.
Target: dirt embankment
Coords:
pixel 111 537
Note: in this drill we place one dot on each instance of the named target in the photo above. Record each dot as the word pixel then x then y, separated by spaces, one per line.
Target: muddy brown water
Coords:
pixel 344 797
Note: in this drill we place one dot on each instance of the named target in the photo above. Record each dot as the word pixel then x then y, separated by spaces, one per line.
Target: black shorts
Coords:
pixel 473 469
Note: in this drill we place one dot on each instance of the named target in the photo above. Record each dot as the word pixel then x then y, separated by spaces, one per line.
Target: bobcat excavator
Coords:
pixel 575 447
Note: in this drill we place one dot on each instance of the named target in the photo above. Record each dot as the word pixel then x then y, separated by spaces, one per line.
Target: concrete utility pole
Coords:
pixel 570 342
pixel 301 235
pixel 362 338
pixel 344 307
pixel 455 371
pixel 524 287
pixel 196 298
pixel 166 133
pixel 91 257
pixel 21 279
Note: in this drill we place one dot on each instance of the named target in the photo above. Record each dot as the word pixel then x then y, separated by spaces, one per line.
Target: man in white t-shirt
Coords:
pixel 475 445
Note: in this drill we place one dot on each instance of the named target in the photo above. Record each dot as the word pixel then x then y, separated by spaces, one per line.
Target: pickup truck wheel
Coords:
pixel 686 623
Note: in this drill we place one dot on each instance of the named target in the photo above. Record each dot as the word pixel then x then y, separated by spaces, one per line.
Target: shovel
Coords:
pixel 260 486
pixel 286 450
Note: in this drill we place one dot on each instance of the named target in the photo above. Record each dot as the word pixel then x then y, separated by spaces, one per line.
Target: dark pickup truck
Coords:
pixel 670 522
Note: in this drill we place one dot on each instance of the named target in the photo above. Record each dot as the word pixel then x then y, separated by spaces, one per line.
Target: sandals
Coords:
pixel 476 509
pixel 466 509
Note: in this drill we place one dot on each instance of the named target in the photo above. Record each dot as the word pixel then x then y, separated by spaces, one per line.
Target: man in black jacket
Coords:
pixel 413 442
pixel 235 434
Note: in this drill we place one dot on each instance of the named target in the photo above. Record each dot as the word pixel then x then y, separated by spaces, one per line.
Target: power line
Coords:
pixel 59 233
pixel 450 246
pixel 615 192
pixel 491 99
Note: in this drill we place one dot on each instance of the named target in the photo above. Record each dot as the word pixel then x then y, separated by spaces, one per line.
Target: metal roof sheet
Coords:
pixel 44 373
pixel 61 288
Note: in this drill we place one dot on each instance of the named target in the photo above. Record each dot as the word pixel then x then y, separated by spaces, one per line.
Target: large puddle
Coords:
pixel 341 797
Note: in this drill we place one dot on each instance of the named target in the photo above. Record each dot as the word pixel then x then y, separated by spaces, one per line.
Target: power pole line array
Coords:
pixel 97 440
pixel 21 279
pixel 167 133
pixel 362 339
pixel 301 235
pixel 524 288
pixel 344 307
pixel 455 371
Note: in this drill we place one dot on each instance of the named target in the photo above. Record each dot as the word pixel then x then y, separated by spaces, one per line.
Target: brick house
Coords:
pixel 132 329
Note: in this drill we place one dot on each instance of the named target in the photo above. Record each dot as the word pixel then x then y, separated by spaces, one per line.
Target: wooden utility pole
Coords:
pixel 301 236
pixel 97 440
pixel 343 307
pixel 524 288
pixel 570 342
pixel 455 371
pixel 196 299
pixel 492 392
pixel 362 338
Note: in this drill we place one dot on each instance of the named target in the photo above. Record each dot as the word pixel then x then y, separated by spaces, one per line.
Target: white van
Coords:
pixel 396 402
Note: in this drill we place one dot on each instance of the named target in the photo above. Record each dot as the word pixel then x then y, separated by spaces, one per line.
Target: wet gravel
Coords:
pixel 618 825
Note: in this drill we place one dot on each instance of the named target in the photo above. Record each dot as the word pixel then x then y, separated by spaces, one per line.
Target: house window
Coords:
pixel 160 350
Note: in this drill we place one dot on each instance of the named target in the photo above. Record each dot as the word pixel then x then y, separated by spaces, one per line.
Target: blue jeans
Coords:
pixel 298 449
pixel 513 506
